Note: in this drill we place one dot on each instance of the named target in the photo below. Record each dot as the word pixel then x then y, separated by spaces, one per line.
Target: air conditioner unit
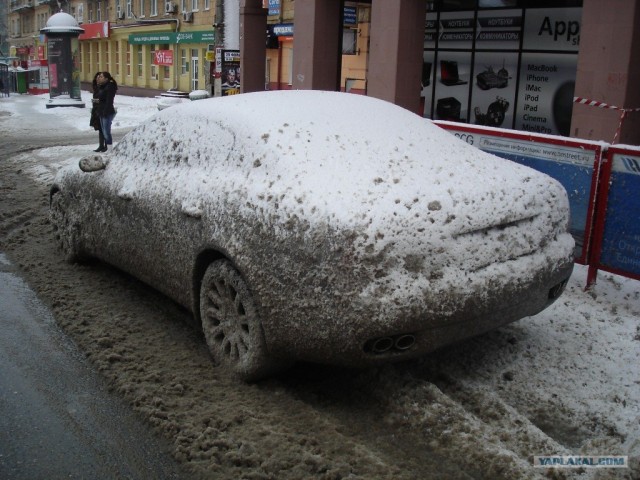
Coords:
pixel 120 15
pixel 187 16
pixel 169 7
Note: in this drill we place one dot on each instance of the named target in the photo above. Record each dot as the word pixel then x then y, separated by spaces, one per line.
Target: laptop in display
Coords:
pixel 449 73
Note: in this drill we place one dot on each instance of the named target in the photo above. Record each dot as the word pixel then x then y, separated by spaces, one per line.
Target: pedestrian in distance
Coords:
pixel 95 119
pixel 107 88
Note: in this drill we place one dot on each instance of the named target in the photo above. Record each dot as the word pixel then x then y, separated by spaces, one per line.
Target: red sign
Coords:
pixel 95 30
pixel 163 57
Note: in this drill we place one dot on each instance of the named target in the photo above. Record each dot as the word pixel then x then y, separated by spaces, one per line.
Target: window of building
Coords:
pixel 117 59
pixel 129 8
pixel 129 62
pixel 183 5
pixel 99 12
pixel 349 41
pixel 140 61
pixel 154 8
pixel 194 5
pixel 154 67
pixel 184 61
pixel 207 4
pixel 166 71
pixel 141 8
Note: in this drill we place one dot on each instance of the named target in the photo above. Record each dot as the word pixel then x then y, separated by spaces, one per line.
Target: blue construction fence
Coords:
pixel 602 182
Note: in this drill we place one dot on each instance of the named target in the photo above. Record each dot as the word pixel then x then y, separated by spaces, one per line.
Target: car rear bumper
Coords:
pixel 367 340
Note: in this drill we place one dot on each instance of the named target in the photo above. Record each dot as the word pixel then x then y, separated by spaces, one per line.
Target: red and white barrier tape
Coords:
pixel 594 103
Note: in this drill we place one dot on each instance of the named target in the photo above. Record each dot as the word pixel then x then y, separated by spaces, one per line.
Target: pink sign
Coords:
pixel 163 57
pixel 53 75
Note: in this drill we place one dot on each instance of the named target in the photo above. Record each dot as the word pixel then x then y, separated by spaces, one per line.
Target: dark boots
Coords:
pixel 103 144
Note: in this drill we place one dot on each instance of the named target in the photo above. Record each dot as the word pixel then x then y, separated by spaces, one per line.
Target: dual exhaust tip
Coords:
pixel 397 343
pixel 556 290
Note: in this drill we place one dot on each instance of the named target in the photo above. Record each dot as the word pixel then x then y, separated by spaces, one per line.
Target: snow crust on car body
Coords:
pixel 348 216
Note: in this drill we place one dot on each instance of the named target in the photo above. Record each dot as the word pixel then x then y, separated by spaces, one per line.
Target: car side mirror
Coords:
pixel 92 163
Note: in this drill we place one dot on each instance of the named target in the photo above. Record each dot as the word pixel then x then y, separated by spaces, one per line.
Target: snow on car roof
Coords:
pixel 316 151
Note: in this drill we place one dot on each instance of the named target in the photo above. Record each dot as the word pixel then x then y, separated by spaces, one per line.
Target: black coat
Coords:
pixel 106 94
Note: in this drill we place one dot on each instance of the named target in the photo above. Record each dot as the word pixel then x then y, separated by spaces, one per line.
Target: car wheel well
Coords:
pixel 54 189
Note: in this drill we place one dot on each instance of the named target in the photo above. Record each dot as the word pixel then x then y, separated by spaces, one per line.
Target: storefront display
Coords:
pixel 502 67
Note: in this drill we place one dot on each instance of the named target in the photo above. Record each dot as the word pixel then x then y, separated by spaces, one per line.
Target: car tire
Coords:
pixel 65 231
pixel 231 324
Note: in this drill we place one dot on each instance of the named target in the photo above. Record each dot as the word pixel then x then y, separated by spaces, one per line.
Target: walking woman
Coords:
pixel 95 119
pixel 107 88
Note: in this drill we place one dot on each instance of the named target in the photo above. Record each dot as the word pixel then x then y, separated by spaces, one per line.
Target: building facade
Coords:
pixel 504 63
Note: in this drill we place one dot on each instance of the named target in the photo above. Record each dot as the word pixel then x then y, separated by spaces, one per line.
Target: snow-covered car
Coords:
pixel 319 226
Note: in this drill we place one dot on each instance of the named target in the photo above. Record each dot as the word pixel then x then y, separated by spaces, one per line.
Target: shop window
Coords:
pixel 140 63
pixel 128 62
pixel 184 61
pixel 349 41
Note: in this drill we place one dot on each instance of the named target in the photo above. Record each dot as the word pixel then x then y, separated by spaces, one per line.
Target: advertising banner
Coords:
pixel 163 57
pixel 499 30
pixel 230 72
pixel 545 97
pixel 273 6
pixel 451 96
pixel 349 16
pixel 552 29
pixel 508 68
pixel 456 30
pixel 95 30
pixel 494 89
pixel 617 231
pixel 575 164
pixel 430 30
